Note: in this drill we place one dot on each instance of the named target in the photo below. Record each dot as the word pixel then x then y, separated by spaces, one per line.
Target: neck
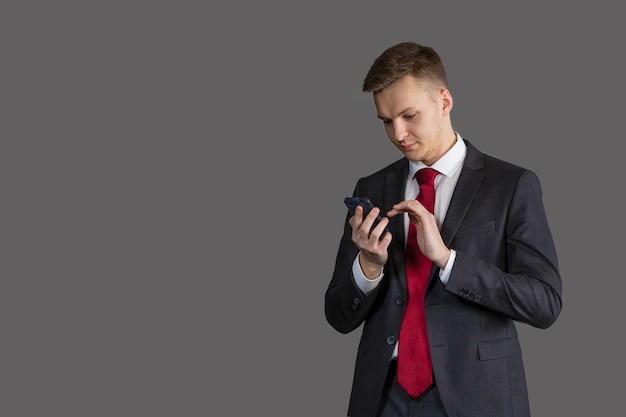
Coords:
pixel 446 145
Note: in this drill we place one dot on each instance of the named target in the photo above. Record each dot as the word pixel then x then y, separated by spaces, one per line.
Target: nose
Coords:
pixel 400 132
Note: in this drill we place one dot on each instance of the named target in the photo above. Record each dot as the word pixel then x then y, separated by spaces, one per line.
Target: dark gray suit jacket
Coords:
pixel 505 271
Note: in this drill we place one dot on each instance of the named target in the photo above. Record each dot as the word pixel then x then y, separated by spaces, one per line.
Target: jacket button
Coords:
pixel 356 303
pixel 400 300
pixel 391 340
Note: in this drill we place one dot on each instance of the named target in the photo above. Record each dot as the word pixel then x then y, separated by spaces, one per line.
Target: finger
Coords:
pixel 385 240
pixel 368 221
pixel 398 208
pixel 358 213
pixel 407 206
pixel 357 218
pixel 379 231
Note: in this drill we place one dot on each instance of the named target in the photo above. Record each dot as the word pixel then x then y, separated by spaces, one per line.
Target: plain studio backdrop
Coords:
pixel 172 185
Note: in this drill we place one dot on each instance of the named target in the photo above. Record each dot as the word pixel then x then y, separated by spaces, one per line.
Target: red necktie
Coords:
pixel 414 365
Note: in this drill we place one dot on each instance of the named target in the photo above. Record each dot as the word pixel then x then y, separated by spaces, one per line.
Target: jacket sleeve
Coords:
pixel 346 307
pixel 518 275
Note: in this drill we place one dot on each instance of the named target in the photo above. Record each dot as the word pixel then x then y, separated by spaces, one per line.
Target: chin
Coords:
pixel 413 156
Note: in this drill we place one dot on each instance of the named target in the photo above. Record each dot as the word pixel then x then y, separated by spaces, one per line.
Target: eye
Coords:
pixel 386 122
pixel 409 116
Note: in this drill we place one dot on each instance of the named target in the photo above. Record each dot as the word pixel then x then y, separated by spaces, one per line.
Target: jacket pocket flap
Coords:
pixel 498 349
pixel 476 229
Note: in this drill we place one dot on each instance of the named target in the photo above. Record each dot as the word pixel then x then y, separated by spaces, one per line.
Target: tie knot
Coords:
pixel 426 176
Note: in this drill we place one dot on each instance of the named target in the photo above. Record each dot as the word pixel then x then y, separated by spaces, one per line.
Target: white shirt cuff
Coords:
pixel 364 284
pixel 444 274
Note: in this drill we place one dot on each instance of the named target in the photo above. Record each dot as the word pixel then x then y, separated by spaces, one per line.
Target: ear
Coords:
pixel 446 100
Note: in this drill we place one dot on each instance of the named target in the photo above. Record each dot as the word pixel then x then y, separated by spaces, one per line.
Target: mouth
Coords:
pixel 408 146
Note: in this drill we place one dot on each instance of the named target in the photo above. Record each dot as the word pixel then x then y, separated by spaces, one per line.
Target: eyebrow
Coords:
pixel 401 112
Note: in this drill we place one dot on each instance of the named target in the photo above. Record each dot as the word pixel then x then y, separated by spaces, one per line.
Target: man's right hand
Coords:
pixel 372 244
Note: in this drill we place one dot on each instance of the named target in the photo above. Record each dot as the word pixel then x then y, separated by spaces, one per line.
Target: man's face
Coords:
pixel 416 119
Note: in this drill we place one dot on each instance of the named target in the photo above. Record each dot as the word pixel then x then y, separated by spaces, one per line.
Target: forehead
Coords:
pixel 407 92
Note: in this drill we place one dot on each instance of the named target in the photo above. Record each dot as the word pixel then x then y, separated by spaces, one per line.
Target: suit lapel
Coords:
pixel 470 179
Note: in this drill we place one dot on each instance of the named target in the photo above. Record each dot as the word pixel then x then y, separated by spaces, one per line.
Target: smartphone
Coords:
pixel 353 202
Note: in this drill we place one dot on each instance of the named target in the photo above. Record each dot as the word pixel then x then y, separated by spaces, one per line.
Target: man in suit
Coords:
pixel 488 248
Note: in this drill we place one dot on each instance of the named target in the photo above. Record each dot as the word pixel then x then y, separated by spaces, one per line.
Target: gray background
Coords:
pixel 172 185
